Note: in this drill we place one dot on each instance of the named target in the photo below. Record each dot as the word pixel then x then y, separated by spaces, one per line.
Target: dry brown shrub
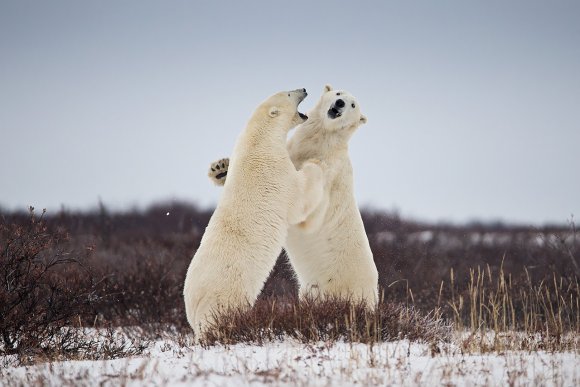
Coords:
pixel 326 320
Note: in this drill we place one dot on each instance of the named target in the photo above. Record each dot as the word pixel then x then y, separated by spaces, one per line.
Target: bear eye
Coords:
pixel 352 105
pixel 337 93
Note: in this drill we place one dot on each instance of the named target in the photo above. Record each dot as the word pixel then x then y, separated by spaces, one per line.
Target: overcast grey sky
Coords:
pixel 473 107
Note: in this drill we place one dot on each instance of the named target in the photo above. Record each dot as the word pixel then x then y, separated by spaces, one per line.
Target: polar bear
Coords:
pixel 329 251
pixel 264 195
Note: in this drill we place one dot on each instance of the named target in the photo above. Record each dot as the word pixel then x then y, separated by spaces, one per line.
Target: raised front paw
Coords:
pixel 218 171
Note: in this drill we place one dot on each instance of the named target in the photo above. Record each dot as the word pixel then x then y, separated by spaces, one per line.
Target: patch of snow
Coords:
pixel 292 363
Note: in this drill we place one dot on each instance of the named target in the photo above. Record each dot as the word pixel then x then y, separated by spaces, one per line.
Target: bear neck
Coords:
pixel 331 140
pixel 266 132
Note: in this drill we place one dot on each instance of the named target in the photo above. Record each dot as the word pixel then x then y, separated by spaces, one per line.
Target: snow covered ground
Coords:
pixel 291 363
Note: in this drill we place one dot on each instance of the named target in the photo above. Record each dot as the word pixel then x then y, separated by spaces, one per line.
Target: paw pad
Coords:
pixel 218 171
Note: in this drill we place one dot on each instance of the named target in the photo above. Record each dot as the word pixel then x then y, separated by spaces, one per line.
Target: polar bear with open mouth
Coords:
pixel 264 196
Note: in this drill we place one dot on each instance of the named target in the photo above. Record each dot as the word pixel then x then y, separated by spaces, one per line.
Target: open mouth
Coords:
pixel 221 175
pixel 333 112
pixel 301 98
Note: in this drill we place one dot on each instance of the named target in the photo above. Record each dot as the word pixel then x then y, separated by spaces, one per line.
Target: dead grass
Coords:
pixel 516 314
pixel 327 320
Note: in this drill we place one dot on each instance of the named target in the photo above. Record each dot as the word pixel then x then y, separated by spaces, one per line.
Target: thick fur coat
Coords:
pixel 330 251
pixel 263 196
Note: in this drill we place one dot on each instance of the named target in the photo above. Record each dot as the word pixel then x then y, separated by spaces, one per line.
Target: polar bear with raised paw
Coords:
pixel 265 194
pixel 329 251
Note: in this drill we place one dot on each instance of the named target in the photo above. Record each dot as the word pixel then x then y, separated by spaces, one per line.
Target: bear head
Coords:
pixel 339 110
pixel 282 108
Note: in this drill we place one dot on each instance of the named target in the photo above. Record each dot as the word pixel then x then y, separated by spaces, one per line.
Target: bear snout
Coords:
pixel 335 110
pixel 303 94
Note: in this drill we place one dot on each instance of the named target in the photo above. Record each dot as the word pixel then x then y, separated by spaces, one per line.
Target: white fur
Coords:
pixel 264 194
pixel 330 251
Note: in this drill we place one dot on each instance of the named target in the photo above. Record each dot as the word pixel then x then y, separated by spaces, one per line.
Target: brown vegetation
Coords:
pixel 326 320
pixel 102 269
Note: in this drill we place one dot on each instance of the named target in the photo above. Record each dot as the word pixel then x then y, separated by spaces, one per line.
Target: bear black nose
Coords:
pixel 339 103
pixel 304 90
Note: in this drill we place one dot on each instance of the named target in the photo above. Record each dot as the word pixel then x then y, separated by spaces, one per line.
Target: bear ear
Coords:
pixel 363 119
pixel 327 88
pixel 274 111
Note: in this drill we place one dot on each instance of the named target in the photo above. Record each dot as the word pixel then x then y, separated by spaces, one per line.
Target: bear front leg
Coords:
pixel 218 171
pixel 316 219
pixel 309 194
